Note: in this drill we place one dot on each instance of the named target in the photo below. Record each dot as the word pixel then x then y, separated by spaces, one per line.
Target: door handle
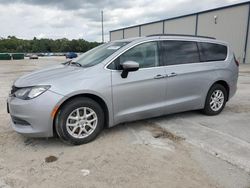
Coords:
pixel 173 74
pixel 159 76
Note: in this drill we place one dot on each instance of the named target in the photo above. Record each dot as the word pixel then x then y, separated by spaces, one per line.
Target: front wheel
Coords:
pixel 216 100
pixel 79 121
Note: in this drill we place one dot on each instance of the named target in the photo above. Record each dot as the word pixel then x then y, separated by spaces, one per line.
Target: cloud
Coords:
pixel 73 4
pixel 81 18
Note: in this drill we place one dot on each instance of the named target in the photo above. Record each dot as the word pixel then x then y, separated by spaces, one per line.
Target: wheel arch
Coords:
pixel 94 97
pixel 224 84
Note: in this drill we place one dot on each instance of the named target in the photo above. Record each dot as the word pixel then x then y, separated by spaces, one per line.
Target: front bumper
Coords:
pixel 36 112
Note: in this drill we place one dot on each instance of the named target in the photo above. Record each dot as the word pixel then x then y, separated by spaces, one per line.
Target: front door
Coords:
pixel 142 94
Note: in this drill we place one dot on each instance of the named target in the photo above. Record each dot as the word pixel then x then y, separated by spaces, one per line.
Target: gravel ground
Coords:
pixel 138 154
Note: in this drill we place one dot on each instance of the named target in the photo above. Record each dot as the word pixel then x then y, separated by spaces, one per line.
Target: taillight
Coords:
pixel 236 62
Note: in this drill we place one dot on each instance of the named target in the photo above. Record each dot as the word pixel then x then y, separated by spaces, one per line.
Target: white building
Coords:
pixel 229 23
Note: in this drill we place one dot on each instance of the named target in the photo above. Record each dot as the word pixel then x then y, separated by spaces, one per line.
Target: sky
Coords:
pixel 74 19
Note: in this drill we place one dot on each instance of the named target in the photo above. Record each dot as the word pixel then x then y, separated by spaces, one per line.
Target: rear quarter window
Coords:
pixel 212 52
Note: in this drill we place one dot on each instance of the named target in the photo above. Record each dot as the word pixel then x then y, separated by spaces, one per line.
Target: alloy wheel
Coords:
pixel 217 100
pixel 81 122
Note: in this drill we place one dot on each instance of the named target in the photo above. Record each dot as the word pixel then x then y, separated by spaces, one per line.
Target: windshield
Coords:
pixel 98 54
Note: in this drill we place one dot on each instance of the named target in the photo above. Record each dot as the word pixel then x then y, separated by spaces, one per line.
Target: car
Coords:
pixel 71 55
pixel 33 56
pixel 123 81
pixel 40 54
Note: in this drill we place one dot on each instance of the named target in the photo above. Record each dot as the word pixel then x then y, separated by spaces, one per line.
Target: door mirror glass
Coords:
pixel 129 66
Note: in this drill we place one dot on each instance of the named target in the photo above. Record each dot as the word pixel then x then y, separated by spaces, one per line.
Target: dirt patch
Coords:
pixel 247 83
pixel 51 159
pixel 159 132
pixel 248 72
pixel 18 71
pixel 28 142
pixel 239 108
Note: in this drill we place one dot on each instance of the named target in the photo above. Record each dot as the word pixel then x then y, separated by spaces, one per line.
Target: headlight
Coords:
pixel 30 92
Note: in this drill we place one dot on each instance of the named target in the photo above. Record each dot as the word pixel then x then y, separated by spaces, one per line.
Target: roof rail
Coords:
pixel 180 35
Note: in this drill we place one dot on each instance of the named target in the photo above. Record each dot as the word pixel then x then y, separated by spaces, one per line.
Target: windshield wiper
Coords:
pixel 75 63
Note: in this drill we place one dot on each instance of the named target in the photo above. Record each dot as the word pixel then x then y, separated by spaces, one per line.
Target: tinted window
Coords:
pixel 145 54
pixel 212 52
pixel 179 52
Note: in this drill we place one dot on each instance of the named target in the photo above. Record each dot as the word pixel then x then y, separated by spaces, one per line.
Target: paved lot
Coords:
pixel 180 150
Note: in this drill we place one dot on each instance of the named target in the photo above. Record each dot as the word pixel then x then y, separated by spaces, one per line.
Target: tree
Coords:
pixel 12 44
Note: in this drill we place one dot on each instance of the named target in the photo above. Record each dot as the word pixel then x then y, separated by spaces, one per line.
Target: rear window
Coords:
pixel 179 52
pixel 212 52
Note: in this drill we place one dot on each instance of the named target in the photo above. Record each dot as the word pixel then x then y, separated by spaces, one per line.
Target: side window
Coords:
pixel 145 54
pixel 212 52
pixel 179 52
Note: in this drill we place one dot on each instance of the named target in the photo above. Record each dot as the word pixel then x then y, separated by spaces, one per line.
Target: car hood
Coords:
pixel 47 76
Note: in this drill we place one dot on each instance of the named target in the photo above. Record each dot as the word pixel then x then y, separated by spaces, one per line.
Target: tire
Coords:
pixel 211 108
pixel 79 121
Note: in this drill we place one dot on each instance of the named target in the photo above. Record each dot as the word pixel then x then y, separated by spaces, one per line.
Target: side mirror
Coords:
pixel 129 66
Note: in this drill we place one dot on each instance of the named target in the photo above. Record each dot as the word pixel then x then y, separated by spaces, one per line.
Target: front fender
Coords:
pixel 105 99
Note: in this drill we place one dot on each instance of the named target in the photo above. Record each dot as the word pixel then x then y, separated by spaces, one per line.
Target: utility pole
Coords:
pixel 102 27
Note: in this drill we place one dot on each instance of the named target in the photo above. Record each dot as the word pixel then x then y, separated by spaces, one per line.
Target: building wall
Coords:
pixel 116 35
pixel 131 32
pixel 149 29
pixel 248 46
pixel 185 25
pixel 231 27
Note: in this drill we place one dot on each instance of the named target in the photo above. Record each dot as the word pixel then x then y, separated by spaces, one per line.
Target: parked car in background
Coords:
pixel 123 81
pixel 33 56
pixel 40 54
pixel 71 55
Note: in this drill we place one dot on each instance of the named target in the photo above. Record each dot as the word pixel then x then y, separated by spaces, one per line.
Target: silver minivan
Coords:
pixel 123 81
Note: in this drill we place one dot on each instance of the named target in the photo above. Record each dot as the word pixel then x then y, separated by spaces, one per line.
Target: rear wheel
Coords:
pixel 79 121
pixel 216 100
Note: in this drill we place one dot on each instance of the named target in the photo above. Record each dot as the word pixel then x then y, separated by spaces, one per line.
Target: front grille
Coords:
pixel 19 121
